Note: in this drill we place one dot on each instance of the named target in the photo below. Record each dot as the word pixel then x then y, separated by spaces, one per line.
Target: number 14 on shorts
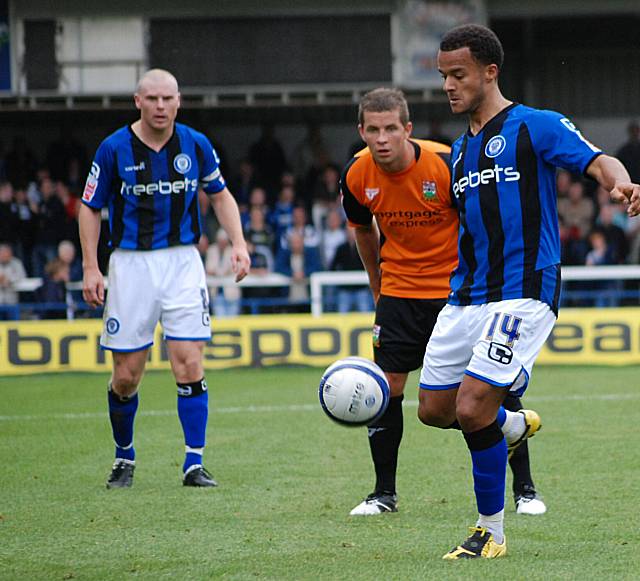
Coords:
pixel 508 325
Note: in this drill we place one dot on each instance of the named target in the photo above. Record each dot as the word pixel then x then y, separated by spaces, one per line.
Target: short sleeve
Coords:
pixel 211 180
pixel 560 143
pixel 97 187
pixel 356 213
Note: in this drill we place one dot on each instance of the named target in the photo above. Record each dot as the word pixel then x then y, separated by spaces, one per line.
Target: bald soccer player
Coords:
pixel 148 174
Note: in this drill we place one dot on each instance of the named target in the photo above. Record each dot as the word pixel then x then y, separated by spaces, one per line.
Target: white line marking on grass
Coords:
pixel 260 409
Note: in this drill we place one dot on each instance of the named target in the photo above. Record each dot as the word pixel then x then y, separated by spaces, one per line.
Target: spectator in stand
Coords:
pixel 577 213
pixel 11 273
pixel 76 176
pixel 629 153
pixel 242 184
pixel 20 163
pixel 264 261
pixel 3 165
pixel 601 254
pixel 54 290
pixel 312 155
pixel 33 189
pixel 288 179
pixel 257 199
pixel 563 183
pixel 262 264
pixel 281 217
pixel 51 220
pixel 332 237
pixel 26 212
pixel 614 235
pixel 267 156
pixel 9 219
pixel 298 261
pixel 258 231
pixel 71 205
pixel 62 152
pixel 326 195
pixel 225 299
pixel 351 297
pixel 300 225
pixel 68 254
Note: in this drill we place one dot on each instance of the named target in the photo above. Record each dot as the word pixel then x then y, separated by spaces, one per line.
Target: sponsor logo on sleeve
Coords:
pixel 91 183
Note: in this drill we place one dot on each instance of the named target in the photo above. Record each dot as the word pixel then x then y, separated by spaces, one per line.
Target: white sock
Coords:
pixel 494 523
pixel 513 427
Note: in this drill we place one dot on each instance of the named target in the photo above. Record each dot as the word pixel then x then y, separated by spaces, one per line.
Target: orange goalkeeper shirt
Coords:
pixel 416 217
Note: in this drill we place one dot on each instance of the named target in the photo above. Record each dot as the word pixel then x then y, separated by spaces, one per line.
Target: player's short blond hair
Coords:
pixel 384 99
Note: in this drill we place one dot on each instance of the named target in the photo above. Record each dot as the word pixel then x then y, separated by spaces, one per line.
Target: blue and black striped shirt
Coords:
pixel 504 182
pixel 153 195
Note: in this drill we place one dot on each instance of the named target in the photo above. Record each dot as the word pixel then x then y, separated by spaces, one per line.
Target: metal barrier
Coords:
pixel 318 281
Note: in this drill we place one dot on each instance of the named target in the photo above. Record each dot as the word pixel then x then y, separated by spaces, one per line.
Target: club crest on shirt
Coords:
pixel 429 190
pixel 495 146
pixel 182 163
pixel 371 193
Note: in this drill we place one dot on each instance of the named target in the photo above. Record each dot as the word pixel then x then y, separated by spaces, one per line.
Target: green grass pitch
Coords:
pixel 288 478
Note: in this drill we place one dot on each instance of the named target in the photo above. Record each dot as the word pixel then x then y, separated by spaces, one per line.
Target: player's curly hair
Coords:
pixel 384 99
pixel 483 43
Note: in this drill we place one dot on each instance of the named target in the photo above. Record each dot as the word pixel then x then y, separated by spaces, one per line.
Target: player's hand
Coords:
pixel 628 194
pixel 240 262
pixel 93 287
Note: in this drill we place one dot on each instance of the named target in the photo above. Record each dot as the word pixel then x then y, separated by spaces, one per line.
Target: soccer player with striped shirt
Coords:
pixel 149 175
pixel 505 289
pixel 396 195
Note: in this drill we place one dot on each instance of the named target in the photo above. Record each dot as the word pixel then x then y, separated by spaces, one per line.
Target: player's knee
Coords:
pixel 396 382
pixel 431 416
pixel 469 417
pixel 189 369
pixel 125 383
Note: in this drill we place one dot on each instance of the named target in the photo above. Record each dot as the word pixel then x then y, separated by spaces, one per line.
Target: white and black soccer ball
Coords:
pixel 354 391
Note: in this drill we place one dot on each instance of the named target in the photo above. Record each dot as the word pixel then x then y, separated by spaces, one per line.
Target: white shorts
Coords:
pixel 495 342
pixel 151 286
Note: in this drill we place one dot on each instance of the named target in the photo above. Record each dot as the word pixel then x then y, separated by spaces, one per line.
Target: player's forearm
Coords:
pixel 368 244
pixel 608 171
pixel 226 209
pixel 89 225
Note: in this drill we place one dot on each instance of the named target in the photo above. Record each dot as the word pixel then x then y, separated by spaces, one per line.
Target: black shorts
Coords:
pixel 402 330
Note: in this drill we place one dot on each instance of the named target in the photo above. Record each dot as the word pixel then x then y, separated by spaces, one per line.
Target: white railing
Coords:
pixel 569 273
pixel 319 280
pixel 255 281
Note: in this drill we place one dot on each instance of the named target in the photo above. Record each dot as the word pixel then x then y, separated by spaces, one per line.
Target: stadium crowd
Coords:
pixel 292 217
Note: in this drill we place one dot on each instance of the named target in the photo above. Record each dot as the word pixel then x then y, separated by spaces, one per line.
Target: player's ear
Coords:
pixel 179 100
pixel 361 132
pixel 491 72
pixel 408 128
pixel 137 100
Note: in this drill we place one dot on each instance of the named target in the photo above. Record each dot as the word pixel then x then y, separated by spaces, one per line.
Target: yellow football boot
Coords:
pixel 532 423
pixel 480 544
